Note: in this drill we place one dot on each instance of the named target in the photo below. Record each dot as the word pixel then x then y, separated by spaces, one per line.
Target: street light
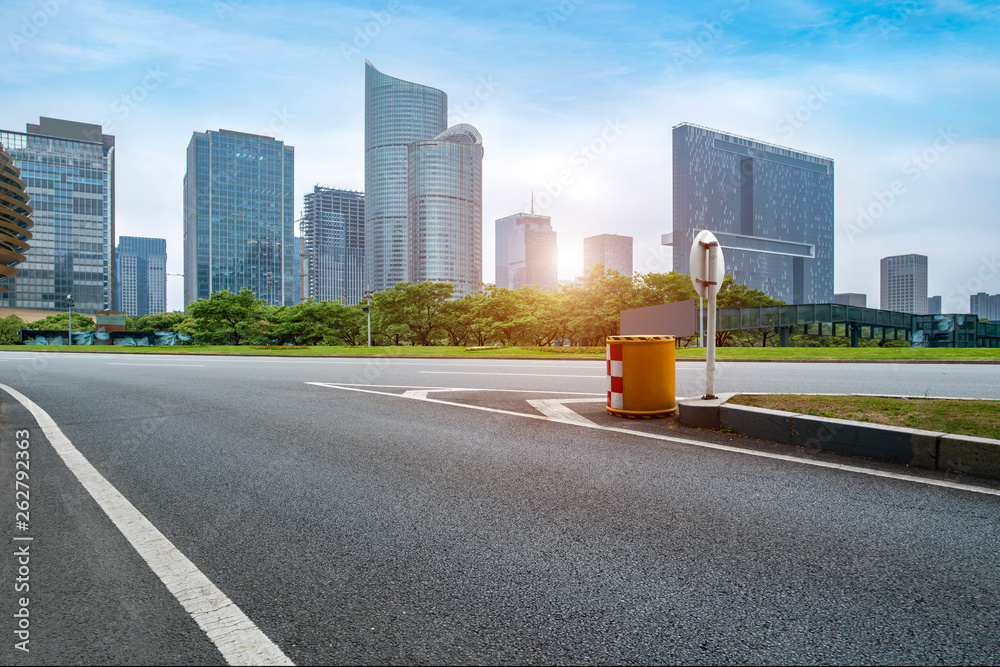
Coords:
pixel 70 304
pixel 368 309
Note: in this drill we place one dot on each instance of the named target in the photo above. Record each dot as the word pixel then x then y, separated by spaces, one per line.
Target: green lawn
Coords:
pixel 965 417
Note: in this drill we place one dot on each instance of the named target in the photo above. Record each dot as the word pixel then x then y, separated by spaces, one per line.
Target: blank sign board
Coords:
pixel 668 319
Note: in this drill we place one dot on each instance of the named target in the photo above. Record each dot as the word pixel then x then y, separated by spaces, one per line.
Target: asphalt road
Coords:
pixel 370 518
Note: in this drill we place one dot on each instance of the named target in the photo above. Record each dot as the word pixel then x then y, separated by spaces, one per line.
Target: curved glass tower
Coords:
pixel 397 113
pixel 14 218
pixel 445 176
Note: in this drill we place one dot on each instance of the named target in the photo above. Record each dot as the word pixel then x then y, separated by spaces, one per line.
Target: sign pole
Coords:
pixel 708 269
pixel 713 289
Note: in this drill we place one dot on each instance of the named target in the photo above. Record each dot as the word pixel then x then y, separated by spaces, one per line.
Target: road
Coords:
pixel 423 511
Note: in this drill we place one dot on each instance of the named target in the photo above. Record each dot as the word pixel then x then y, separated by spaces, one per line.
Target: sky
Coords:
pixel 575 100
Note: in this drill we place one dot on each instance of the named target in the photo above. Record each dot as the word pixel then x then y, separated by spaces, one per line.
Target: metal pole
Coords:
pixel 710 353
pixel 701 322
pixel 69 304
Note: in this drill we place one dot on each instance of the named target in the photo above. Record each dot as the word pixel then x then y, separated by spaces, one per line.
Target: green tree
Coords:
pixel 226 318
pixel 159 321
pixel 60 322
pixel 317 323
pixel 10 330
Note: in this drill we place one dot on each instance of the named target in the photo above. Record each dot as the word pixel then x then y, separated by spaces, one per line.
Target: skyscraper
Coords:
pixel 445 213
pixel 770 207
pixel 985 305
pixel 333 241
pixel 851 299
pixel 526 252
pixel 904 284
pixel 611 250
pixel 239 216
pixel 397 113
pixel 15 220
pixel 69 171
pixel 142 275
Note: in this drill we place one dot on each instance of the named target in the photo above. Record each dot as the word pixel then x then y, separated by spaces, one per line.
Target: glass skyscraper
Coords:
pixel 526 252
pixel 445 214
pixel 333 242
pixel 69 172
pixel 239 221
pixel 771 208
pixel 397 113
pixel 611 250
pixel 142 275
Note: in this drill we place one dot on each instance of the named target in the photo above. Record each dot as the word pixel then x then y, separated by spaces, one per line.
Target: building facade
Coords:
pixel 333 245
pixel 397 113
pixel 851 299
pixel 985 305
pixel 141 265
pixel 904 284
pixel 239 221
pixel 526 252
pixel 770 207
pixel 445 209
pixel 15 219
pixel 611 250
pixel 68 169
pixel 934 305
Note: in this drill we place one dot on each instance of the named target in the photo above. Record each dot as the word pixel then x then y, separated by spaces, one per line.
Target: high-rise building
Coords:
pixel 15 219
pixel 69 172
pixel 770 207
pixel 934 305
pixel 445 212
pixel 904 284
pixel 851 299
pixel 611 250
pixel 141 267
pixel 985 305
pixel 239 216
pixel 397 113
pixel 333 243
pixel 526 252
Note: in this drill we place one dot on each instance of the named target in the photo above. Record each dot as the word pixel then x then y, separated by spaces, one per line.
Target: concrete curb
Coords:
pixel 924 449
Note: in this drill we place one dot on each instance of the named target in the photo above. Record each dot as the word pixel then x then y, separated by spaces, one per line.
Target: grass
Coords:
pixel 979 418
pixel 722 353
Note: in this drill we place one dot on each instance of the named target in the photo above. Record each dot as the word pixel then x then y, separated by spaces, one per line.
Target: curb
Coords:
pixel 946 452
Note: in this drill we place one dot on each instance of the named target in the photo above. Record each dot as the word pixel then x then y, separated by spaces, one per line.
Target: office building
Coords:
pixel 851 299
pixel 142 275
pixel 445 211
pixel 526 252
pixel 68 169
pixel 985 306
pixel 904 284
pixel 333 245
pixel 934 305
pixel 239 216
pixel 611 250
pixel 770 207
pixel 397 113
pixel 15 219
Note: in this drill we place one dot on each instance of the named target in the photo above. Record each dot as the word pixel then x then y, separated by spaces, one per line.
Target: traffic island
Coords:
pixel 925 449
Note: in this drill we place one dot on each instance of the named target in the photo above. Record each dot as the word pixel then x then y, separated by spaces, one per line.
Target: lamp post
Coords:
pixel 70 304
pixel 368 309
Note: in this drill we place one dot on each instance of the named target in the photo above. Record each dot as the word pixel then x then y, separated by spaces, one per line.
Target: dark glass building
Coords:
pixel 333 243
pixel 239 216
pixel 445 214
pixel 68 169
pixel 526 252
pixel 770 207
pixel 397 113
pixel 141 264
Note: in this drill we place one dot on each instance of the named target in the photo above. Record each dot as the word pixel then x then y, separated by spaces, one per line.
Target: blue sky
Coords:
pixel 903 96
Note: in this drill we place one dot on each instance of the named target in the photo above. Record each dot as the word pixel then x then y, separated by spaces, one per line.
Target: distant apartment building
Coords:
pixel 904 284
pixel 526 252
pixel 333 245
pixel 15 219
pixel 770 207
pixel 239 220
pixel 141 265
pixel 68 169
pixel 611 250
pixel 985 305
pixel 851 299
pixel 934 305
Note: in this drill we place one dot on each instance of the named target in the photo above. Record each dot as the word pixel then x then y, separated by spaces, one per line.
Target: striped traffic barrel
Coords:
pixel 641 376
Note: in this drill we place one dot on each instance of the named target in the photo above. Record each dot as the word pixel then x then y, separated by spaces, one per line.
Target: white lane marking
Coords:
pixel 232 632
pixel 556 410
pixel 536 375
pixel 696 443
pixel 115 363
pixel 513 391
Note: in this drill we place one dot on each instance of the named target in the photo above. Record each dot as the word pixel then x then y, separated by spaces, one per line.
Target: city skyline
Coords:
pixel 577 99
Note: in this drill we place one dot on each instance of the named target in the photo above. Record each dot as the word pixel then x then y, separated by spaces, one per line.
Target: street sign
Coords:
pixel 699 263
